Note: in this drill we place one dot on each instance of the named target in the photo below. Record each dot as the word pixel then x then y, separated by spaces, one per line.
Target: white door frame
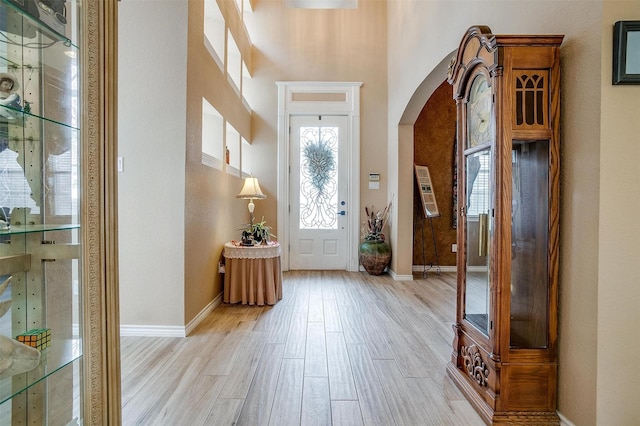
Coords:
pixel 320 98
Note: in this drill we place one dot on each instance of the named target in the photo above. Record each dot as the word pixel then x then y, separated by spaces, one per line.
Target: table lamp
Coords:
pixel 250 191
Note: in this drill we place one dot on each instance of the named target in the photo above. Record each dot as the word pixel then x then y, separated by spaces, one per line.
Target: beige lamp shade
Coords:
pixel 250 191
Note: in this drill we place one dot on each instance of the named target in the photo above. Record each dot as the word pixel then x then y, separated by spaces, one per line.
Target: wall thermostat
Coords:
pixel 374 180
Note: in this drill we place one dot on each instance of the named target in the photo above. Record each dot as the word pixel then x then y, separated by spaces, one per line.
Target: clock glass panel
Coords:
pixel 480 126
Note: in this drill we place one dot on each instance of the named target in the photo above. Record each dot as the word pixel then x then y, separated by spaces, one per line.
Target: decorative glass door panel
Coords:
pixel 319 177
pixel 529 244
pixel 478 230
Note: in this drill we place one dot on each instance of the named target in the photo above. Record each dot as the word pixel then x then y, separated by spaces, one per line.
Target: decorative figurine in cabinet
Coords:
pixel 507 92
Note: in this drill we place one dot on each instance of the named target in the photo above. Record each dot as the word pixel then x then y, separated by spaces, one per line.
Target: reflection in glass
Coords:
pixel 529 241
pixel 633 60
pixel 478 229
pixel 14 186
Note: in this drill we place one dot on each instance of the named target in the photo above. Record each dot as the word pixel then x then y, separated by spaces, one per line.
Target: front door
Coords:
pixel 318 192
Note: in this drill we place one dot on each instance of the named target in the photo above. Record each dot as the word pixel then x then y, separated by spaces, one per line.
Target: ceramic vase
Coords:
pixel 375 256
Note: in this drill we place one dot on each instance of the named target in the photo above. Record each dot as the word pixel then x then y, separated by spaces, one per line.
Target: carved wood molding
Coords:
pixel 101 346
pixel 484 43
pixel 474 365
pixel 543 418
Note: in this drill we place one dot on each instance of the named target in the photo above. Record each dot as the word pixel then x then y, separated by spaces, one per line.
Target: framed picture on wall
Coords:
pixel 626 52
pixel 427 195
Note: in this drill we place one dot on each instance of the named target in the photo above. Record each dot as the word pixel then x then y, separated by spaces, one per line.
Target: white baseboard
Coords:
pixel 433 269
pixel 152 330
pixel 417 268
pixel 397 277
pixel 203 314
pixel 563 420
pixel 170 330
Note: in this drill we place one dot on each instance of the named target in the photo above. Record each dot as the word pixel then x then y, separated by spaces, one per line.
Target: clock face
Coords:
pixel 479 113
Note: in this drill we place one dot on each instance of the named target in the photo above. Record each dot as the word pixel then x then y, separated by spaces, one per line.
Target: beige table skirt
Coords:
pixel 252 281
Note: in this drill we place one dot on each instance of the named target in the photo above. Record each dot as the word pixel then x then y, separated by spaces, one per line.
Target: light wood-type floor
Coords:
pixel 341 348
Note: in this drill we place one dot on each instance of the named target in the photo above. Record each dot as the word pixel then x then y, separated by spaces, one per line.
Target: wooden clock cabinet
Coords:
pixel 507 92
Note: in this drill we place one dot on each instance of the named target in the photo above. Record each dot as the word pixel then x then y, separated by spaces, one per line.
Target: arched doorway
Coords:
pixel 402 241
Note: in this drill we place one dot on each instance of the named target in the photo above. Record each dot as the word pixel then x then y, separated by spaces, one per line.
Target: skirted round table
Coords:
pixel 253 275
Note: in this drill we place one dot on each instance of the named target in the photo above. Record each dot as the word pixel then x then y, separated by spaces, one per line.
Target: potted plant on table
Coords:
pixel 256 233
pixel 375 252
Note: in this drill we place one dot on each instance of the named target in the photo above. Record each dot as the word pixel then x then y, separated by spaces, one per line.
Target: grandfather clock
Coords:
pixel 507 91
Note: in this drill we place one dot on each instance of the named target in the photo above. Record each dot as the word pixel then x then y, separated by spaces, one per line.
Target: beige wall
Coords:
pixel 151 140
pixel 213 215
pixel 175 214
pixel 618 273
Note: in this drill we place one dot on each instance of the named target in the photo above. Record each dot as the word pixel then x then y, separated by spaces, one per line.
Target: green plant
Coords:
pixel 258 232
pixel 373 226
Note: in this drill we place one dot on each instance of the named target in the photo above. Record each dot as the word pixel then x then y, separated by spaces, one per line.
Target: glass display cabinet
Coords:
pixel 507 92
pixel 40 213
pixel 58 365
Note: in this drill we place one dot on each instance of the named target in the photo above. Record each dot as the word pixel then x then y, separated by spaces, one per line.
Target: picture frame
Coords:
pixel 626 52
pixel 427 195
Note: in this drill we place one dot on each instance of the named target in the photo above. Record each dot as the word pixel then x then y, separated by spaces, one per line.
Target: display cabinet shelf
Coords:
pixel 27 229
pixel 20 118
pixel 8 63
pixel 54 358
